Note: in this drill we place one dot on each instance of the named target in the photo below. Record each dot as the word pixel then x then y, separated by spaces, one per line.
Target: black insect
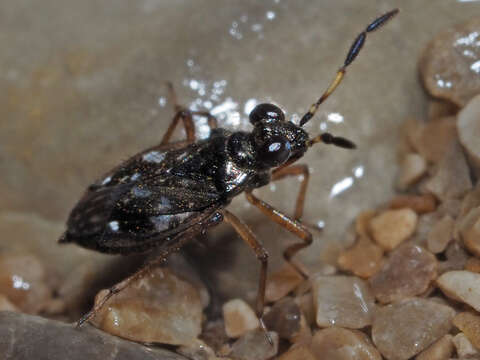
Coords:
pixel 167 194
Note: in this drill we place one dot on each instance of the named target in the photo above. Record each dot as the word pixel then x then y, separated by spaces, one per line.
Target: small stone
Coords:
pixel 469 130
pixel 23 280
pixel 473 265
pixel 469 228
pixel 469 324
pixel 440 350
pixel 407 272
pixel 6 305
pixel 280 283
pixel 403 329
pixel 305 302
pixel 255 346
pixel 448 64
pixel 158 308
pixel 239 318
pixel 344 301
pixel 412 169
pixel 435 138
pixel 284 318
pixel 440 235
pixel 392 227
pixel 461 285
pixel 363 259
pixel 362 223
pixel 470 201
pixel 456 258
pixel 25 337
pixel 463 346
pixel 214 334
pixel 342 344
pixel 421 204
pixel 452 176
pixel 301 352
pixel 304 334
pixel 197 350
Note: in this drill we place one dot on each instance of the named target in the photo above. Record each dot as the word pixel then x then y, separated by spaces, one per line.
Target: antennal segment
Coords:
pixel 351 56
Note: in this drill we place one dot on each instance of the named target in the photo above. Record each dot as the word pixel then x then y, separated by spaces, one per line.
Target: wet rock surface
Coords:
pixel 24 337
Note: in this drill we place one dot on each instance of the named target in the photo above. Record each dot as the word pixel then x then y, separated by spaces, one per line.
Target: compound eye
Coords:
pixel 267 112
pixel 275 151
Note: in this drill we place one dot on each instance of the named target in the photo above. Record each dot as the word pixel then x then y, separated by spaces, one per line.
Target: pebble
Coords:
pixel 6 305
pixel 435 138
pixel 469 130
pixel 214 334
pixel 342 344
pixel 421 204
pixel 301 352
pixel 456 256
pixel 469 229
pixel 407 272
pixel 461 285
pixel 32 337
pixel 362 223
pixel 463 346
pixel 390 228
pixel 473 265
pixel 344 301
pixel 24 282
pixel 284 318
pixel 405 328
pixel 159 308
pixel 282 282
pixel 197 350
pixel 442 349
pixel 363 259
pixel 440 234
pixel 239 318
pixel 448 64
pixel 452 176
pixel 412 168
pixel 255 346
pixel 469 324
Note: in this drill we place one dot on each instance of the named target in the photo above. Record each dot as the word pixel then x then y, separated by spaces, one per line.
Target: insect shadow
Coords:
pixel 166 195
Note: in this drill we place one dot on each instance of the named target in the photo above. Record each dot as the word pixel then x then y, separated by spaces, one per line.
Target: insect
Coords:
pixel 166 195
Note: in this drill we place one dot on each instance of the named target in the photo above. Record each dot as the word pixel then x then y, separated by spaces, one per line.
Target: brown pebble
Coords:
pixel 158 308
pixel 255 346
pixel 421 204
pixel 447 63
pixel 435 138
pixel 473 265
pixel 464 347
pixel 452 176
pixel 284 318
pixel 239 318
pixel 282 282
pixel 406 273
pixel 469 131
pixel 405 328
pixel 469 228
pixel 343 344
pixel 392 227
pixel 442 349
pixel 6 305
pixel 461 285
pixel 363 259
pixel 469 324
pixel 301 352
pixel 440 234
pixel 344 301
pixel 412 168
pixel 23 280
pixel 362 223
